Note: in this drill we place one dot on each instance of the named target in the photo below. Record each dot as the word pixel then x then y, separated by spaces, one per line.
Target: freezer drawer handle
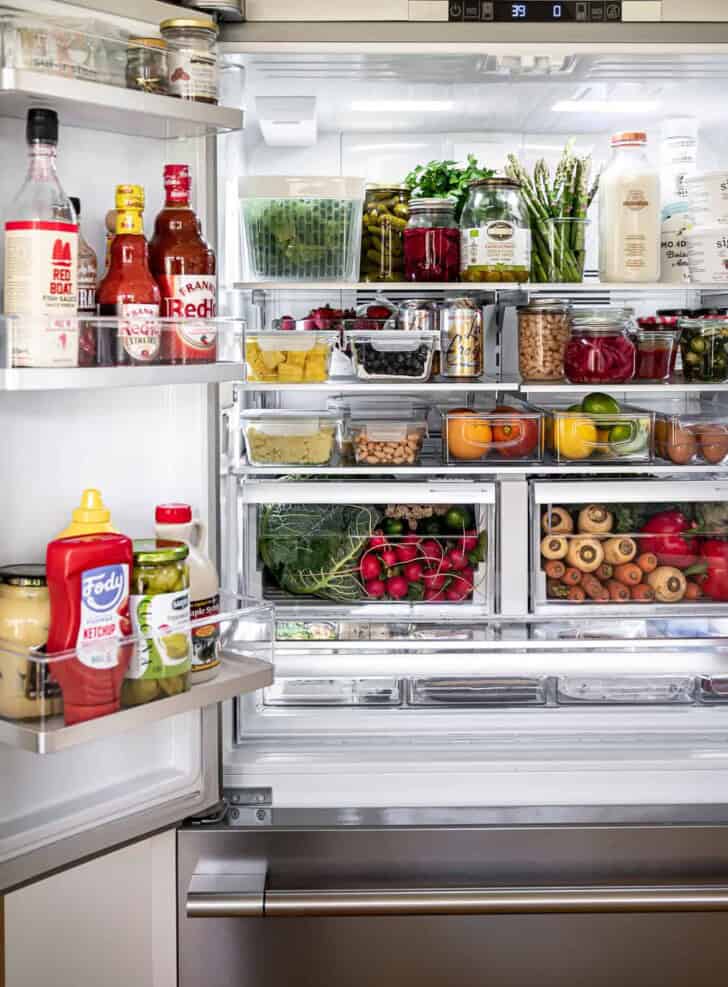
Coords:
pixel 458 901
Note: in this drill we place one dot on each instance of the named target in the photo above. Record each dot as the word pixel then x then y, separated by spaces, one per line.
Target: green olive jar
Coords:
pixel 384 220
pixel 160 613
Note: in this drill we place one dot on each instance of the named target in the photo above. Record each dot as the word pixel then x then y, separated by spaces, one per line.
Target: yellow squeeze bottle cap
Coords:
pixel 92 509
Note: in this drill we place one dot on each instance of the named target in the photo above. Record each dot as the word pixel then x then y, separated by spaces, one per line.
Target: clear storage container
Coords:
pixel 365 408
pixel 301 229
pixel 704 349
pixel 544 330
pixel 600 350
pixel 511 432
pixel 387 443
pixel 579 436
pixel 699 436
pixel 395 356
pixel 289 357
pixel 386 211
pixel 290 438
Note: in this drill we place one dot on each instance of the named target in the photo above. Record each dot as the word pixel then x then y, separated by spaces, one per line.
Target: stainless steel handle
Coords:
pixel 457 901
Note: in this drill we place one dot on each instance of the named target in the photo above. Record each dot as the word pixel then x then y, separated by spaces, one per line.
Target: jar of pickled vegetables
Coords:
pixel 432 241
pixel 495 233
pixel 704 348
pixel 600 350
pixel 160 613
pixel 386 212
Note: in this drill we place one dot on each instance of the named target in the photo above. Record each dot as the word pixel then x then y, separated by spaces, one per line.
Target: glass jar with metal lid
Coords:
pixel 600 350
pixel 192 58
pixel 495 233
pixel 146 65
pixel 704 349
pixel 160 613
pixel 544 330
pixel 384 219
pixel 432 241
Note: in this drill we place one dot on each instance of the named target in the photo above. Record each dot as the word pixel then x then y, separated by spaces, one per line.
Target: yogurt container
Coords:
pixel 708 198
pixel 708 254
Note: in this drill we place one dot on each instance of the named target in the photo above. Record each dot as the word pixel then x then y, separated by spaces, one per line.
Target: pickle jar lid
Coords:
pixel 29 574
pixel 159 551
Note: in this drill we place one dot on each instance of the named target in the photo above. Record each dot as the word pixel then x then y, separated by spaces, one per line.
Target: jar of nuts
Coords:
pixel 544 329
pixel 387 443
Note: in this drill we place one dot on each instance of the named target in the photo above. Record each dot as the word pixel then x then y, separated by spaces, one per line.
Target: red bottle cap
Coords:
pixel 177 183
pixel 173 514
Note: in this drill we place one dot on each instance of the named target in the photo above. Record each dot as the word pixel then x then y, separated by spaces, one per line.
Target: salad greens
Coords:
pixel 446 180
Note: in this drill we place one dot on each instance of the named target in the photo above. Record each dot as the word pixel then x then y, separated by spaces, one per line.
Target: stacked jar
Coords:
pixel 495 232
pixel 544 330
pixel 432 241
pixel 600 350
pixel 386 211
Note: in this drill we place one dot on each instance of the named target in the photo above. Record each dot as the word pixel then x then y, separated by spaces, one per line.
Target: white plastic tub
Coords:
pixel 301 229
pixel 708 198
pixel 708 254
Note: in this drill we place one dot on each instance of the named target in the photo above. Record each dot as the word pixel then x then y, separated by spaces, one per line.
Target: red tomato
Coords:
pixel 514 438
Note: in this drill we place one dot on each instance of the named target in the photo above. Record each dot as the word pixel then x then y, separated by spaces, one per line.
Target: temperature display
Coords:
pixel 536 10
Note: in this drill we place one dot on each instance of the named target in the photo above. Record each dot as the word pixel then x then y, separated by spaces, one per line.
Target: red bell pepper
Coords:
pixel 713 567
pixel 663 535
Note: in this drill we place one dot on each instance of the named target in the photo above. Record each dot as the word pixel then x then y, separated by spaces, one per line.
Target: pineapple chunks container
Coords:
pixel 289 357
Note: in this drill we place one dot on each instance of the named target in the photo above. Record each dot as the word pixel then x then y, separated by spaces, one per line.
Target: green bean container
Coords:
pixel 386 211
pixel 160 613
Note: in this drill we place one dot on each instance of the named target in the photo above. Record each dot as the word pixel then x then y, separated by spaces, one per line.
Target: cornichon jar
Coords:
pixel 386 211
pixel 160 613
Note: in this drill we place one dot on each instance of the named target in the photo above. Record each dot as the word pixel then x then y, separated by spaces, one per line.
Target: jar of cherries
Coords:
pixel 600 350
pixel 432 241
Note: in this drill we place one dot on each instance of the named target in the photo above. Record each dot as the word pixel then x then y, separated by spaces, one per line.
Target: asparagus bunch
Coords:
pixel 558 248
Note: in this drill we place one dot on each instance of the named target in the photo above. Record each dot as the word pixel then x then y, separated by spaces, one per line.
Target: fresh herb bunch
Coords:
pixel 558 249
pixel 446 180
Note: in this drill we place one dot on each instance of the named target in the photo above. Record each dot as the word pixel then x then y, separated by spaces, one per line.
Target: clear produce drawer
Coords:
pixel 422 545
pixel 630 546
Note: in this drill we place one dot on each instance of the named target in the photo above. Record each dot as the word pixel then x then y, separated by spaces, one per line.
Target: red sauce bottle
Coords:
pixel 184 265
pixel 128 291
pixel 88 584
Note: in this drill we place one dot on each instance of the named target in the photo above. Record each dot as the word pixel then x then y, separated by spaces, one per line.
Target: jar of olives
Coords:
pixel 704 349
pixel 495 233
pixel 160 613
pixel 386 211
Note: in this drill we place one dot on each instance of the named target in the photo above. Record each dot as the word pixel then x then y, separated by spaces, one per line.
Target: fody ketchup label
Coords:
pixel 140 331
pixel 104 615
pixel 41 259
pixel 189 297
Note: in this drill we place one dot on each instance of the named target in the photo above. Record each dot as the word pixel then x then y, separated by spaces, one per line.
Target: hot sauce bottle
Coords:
pixel 128 290
pixel 184 265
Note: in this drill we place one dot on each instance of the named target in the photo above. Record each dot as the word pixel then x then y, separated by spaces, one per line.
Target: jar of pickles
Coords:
pixel 386 212
pixel 495 233
pixel 160 613
pixel 704 349
pixel 600 350
pixel 432 241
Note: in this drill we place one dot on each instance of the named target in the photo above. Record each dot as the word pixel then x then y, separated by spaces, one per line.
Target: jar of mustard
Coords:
pixel 26 691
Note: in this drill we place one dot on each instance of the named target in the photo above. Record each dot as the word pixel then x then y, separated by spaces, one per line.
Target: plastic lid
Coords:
pixel 129 197
pixel 275 414
pixel 92 509
pixel 156 551
pixel 630 137
pixel 385 187
pixel 41 125
pixel 292 187
pixel 173 514
pixel 30 574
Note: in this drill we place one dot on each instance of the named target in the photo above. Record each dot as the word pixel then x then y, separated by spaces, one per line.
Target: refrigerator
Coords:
pixel 416 790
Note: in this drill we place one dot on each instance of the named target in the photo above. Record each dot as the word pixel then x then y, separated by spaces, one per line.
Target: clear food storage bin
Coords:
pixel 687 437
pixel 580 436
pixel 301 229
pixel 364 408
pixel 511 432
pixel 395 356
pixel 290 438
pixel 387 443
pixel 289 357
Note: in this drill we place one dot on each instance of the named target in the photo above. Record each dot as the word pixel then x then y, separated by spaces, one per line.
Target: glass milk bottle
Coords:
pixel 629 214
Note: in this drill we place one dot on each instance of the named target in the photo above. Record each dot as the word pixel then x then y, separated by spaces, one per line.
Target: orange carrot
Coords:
pixel 572 577
pixel 576 594
pixel 628 574
pixel 642 593
pixel 647 562
pixel 555 569
pixel 605 572
pixel 593 588
pixel 693 592
pixel 618 591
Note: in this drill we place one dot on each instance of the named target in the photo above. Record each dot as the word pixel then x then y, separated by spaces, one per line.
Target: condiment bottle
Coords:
pixel 87 277
pixel 91 517
pixel 174 522
pixel 128 290
pixel 183 264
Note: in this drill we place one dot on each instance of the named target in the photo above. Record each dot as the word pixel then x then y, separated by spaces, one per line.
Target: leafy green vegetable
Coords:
pixel 446 180
pixel 313 549
pixel 712 517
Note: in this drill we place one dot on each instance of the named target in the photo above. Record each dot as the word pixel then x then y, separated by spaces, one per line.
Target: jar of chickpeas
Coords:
pixel 386 211
pixel 544 329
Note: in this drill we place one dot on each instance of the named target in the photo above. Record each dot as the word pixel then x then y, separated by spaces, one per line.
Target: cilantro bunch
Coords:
pixel 446 179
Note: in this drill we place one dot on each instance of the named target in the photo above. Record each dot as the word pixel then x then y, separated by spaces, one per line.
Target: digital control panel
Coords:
pixel 536 11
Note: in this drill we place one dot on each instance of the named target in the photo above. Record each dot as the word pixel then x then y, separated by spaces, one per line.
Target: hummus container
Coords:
pixel 708 198
pixel 290 438
pixel 708 254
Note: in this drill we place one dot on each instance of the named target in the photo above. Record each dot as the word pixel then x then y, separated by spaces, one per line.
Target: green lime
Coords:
pixel 575 407
pixel 600 404
pixel 459 519
pixel 621 433
pixel 393 526
pixel 430 526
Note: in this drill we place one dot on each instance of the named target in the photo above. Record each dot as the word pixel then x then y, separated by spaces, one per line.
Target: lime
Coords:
pixel 459 519
pixel 600 404
pixel 393 526
pixel 575 407
pixel 621 433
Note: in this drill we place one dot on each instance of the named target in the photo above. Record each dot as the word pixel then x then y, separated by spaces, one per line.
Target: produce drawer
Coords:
pixel 630 546
pixel 383 544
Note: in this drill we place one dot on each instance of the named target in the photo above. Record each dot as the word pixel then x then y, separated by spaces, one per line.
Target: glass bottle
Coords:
pixel 495 233
pixel 183 264
pixel 128 290
pixel 432 241
pixel 87 277
pixel 41 256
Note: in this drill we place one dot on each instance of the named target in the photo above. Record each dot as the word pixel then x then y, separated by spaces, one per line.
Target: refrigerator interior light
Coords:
pixel 605 106
pixel 402 105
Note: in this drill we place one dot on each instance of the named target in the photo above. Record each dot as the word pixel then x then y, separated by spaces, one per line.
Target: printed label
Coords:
pixel 140 337
pixel 87 287
pixel 104 615
pixel 41 281
pixel 636 200
pixel 204 639
pixel 163 623
pixel 192 73
pixel 675 267
pixel 189 297
pixel 500 243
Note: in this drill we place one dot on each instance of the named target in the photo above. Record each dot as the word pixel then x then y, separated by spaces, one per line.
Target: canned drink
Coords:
pixel 461 338
pixel 417 315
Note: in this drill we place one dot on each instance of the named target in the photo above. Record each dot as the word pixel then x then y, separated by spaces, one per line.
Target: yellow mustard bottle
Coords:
pixel 90 517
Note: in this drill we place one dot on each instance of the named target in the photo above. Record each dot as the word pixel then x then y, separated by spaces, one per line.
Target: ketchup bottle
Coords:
pixel 88 584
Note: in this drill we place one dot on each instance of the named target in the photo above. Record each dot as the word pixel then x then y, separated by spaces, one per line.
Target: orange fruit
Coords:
pixel 468 437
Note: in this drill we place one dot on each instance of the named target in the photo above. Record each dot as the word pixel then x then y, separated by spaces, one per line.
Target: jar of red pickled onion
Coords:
pixel 600 350
pixel 432 241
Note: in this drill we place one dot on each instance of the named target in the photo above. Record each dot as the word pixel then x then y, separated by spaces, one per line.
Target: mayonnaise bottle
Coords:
pixel 174 522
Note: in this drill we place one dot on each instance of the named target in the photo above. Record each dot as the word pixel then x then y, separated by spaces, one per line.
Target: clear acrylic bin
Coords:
pixel 482 433
pixel 578 436
pixel 290 438
pixel 684 437
pixel 393 356
pixel 289 357
pixel 387 443
pixel 341 691
pixel 374 410
pixel 625 690
pixel 478 690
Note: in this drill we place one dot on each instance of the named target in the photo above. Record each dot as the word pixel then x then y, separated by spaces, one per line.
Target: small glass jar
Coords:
pixel 495 234
pixel 704 349
pixel 146 65
pixel 600 350
pixel 544 330
pixel 384 220
pixel 655 355
pixel 432 241
pixel 191 58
